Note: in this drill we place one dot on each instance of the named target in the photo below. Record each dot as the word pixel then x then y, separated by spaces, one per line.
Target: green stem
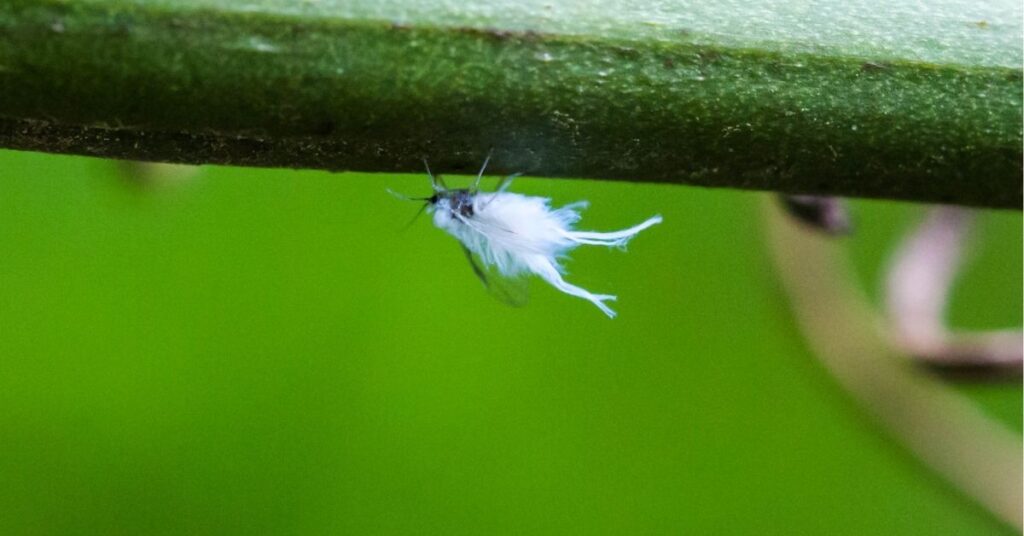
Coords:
pixel 600 92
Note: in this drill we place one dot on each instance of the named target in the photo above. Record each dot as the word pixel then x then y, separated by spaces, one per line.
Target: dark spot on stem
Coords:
pixel 824 213
pixel 325 127
pixel 627 52
pixel 709 56
pixel 122 24
pixel 873 67
pixel 497 34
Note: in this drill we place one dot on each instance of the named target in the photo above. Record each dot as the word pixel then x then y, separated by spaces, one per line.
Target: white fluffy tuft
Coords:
pixel 520 235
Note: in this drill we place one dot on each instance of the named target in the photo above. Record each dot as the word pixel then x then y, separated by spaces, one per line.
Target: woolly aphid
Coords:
pixel 516 235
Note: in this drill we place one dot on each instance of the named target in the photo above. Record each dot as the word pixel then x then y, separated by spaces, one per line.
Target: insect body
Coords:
pixel 517 235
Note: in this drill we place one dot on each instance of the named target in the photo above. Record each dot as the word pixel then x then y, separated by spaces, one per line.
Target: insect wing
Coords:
pixel 512 291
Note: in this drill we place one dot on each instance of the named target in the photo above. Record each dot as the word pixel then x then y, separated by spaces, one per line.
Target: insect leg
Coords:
pixel 436 182
pixel 502 186
pixel 506 182
pixel 477 269
pixel 476 185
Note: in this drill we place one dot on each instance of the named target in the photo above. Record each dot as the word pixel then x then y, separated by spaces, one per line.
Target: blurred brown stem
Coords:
pixel 918 285
pixel 943 428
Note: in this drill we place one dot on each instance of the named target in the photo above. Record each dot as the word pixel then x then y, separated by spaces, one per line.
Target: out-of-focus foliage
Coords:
pixel 267 351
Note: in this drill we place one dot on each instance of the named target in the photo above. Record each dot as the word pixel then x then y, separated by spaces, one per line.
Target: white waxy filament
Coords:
pixel 520 235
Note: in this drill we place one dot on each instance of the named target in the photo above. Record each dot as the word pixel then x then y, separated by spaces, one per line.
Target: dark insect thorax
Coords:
pixel 461 202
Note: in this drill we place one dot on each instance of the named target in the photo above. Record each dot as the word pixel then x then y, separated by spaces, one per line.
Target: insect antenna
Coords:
pixel 404 197
pixel 416 216
pixel 476 185
pixel 426 202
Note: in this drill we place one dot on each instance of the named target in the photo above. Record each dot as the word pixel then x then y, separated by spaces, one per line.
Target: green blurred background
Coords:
pixel 268 352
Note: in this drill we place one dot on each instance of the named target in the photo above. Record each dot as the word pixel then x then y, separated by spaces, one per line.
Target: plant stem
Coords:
pixel 941 426
pixel 377 86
